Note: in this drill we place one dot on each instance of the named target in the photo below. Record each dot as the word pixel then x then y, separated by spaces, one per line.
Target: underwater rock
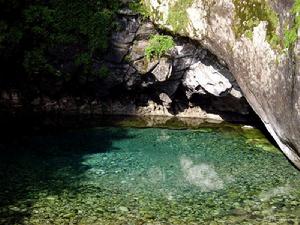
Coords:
pixel 123 209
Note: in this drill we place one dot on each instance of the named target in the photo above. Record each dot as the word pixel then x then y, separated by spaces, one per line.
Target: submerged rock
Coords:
pixel 123 209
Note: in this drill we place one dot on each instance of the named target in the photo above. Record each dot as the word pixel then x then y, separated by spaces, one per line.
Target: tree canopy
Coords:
pixel 53 37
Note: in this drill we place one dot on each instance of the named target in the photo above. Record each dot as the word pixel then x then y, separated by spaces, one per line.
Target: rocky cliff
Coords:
pixel 187 81
pixel 248 36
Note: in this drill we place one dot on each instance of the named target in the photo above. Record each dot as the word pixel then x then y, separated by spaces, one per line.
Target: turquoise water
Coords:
pixel 118 175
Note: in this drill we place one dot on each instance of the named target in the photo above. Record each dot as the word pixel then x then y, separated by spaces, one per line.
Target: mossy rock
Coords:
pixel 249 14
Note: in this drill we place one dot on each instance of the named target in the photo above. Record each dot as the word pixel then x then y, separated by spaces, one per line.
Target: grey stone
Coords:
pixel 123 209
pixel 123 37
pixel 166 100
pixel 180 64
pixel 202 77
pixel 163 70
pixel 236 92
pixel 128 29
pixel 185 50
pixel 132 78
pixel 145 31
pixel 138 50
pixel 143 66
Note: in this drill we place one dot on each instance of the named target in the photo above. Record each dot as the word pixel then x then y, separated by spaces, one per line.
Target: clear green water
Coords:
pixel 147 176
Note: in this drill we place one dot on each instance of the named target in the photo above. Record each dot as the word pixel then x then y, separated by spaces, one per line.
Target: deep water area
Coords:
pixel 209 174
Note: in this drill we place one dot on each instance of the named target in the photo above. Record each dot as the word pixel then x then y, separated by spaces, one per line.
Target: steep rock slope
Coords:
pixel 248 36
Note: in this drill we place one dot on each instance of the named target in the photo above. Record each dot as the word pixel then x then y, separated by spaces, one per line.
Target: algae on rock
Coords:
pixel 249 14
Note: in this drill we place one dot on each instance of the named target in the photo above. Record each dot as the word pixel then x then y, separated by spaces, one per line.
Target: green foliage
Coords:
pixel 140 7
pixel 43 35
pixel 158 46
pixel 291 35
pixel 178 17
pixel 248 14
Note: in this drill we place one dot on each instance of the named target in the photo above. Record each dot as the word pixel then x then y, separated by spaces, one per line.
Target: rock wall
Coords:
pixel 248 36
pixel 189 81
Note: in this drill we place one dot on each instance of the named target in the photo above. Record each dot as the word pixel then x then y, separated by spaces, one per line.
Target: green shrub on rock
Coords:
pixel 158 46
pixel 139 7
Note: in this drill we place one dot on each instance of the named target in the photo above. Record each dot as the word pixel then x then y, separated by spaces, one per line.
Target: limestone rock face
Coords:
pixel 268 74
pixel 201 78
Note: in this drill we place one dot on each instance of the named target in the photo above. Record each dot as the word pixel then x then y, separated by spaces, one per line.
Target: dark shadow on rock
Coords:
pixel 227 107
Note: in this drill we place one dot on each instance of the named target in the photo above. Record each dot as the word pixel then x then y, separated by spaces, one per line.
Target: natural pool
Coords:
pixel 206 174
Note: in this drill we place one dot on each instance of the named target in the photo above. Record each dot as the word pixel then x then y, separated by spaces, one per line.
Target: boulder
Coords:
pixel 127 32
pixel 267 72
pixel 185 50
pixel 132 78
pixel 138 50
pixel 166 100
pixel 203 79
pixel 163 70
pixel 143 66
pixel 183 63
pixel 145 31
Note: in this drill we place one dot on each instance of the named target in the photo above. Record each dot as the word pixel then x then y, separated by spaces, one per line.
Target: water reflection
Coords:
pixel 275 192
pixel 202 175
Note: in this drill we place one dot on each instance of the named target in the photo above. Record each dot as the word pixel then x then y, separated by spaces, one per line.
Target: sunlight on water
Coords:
pixel 146 176
pixel 202 175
